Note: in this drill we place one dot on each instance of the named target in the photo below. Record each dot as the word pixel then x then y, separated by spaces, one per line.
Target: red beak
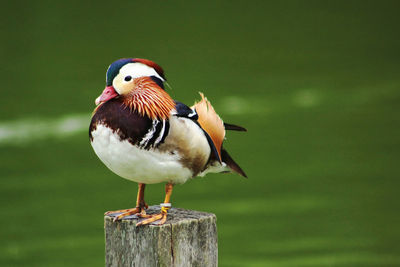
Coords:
pixel 107 94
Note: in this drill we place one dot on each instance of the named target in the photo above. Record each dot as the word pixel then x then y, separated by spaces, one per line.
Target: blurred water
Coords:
pixel 29 130
pixel 315 83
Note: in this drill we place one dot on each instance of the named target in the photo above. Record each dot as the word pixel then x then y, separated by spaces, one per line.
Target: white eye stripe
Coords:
pixel 136 70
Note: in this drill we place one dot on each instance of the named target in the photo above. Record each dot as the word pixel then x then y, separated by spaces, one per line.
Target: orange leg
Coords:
pixel 139 209
pixel 164 209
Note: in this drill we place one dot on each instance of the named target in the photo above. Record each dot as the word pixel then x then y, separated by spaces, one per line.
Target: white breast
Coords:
pixel 133 163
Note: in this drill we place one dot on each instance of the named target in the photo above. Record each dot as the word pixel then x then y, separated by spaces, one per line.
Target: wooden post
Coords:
pixel 188 238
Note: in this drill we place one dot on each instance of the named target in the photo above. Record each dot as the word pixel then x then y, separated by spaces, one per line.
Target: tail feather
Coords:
pixel 232 164
pixel 211 123
pixel 234 127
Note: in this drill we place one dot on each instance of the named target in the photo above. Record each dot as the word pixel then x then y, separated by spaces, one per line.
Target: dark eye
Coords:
pixel 128 78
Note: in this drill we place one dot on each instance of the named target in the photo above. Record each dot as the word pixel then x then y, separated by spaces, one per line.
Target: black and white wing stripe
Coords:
pixel 155 135
pixel 159 129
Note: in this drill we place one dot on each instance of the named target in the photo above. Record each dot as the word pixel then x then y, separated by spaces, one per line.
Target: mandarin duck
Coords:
pixel 141 134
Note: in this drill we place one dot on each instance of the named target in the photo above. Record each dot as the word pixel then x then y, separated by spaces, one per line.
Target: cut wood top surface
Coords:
pixel 175 215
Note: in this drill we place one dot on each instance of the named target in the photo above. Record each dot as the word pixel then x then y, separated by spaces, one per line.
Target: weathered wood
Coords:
pixel 188 238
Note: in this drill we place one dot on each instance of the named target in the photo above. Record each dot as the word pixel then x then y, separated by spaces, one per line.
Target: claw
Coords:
pixel 163 220
pixel 116 211
pixel 152 218
pixel 138 211
pixel 161 217
pixel 127 213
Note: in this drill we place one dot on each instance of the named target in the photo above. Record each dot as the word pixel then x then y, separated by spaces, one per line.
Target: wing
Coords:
pixel 214 129
pixel 186 112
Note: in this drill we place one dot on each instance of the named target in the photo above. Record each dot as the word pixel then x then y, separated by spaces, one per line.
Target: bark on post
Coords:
pixel 188 238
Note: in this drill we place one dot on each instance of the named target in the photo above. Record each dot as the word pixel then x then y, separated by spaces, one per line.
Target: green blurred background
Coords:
pixel 316 83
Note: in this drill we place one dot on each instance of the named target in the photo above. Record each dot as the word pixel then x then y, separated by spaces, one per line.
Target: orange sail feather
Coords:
pixel 210 122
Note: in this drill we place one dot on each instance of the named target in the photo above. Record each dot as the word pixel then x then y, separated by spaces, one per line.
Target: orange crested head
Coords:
pixel 140 85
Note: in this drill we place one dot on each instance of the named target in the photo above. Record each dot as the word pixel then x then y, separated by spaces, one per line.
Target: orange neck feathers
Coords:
pixel 148 99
